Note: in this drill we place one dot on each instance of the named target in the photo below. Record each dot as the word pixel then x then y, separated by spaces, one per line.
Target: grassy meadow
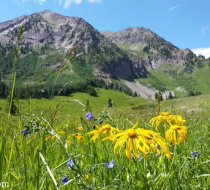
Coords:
pixel 107 142
pixel 23 168
pixel 69 110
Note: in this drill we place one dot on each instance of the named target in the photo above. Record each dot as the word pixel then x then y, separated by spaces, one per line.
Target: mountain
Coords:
pixel 133 58
pixel 149 46
pixel 48 29
pixel 157 54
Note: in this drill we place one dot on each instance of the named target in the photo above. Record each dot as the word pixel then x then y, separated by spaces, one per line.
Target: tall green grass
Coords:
pixel 39 159
pixel 23 168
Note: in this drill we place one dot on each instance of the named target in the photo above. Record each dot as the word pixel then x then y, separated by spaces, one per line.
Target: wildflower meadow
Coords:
pixel 161 147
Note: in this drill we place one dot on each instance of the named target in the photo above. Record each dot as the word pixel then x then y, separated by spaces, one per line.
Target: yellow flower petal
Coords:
pixel 61 132
pixel 81 128
pixel 139 139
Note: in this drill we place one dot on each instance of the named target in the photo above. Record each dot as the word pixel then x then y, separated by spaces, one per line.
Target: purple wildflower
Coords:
pixel 25 132
pixel 70 163
pixel 89 115
pixel 158 146
pixel 111 164
pixel 64 179
pixel 194 154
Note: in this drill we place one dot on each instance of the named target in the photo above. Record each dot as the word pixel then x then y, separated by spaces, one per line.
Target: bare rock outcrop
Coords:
pixel 165 52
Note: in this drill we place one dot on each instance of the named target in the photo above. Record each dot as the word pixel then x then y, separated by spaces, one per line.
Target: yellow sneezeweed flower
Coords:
pixel 104 130
pixel 139 139
pixel 81 128
pixel 168 118
pixel 18 141
pixel 53 137
pixel 79 137
pixel 47 138
pixel 61 132
pixel 88 176
pixel 69 136
pixel 77 134
pixel 177 119
pixel 69 142
pixel 174 132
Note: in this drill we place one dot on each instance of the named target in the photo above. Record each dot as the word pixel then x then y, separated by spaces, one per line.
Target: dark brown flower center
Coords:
pixel 132 133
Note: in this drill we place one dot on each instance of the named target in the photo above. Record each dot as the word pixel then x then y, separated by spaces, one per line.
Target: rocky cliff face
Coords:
pixel 164 51
pixel 62 32
pixel 107 60
pixel 138 35
pixel 48 27
pixel 124 68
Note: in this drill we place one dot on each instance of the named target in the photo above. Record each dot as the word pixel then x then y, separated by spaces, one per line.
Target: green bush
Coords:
pixel 91 91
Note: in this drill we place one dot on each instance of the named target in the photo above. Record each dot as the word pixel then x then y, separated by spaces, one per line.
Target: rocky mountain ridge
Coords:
pixel 164 51
pixel 62 33
pixel 128 54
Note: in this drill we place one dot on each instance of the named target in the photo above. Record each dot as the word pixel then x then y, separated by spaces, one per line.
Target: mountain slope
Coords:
pixel 102 58
pixel 168 67
pixel 132 57
pixel 146 44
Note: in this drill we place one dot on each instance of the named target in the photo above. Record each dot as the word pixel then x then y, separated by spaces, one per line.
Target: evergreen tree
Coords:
pixel 170 96
pixel 109 102
pixel 3 90
pixel 156 95
pixel 91 91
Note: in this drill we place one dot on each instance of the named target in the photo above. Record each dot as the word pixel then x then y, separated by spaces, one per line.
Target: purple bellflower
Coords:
pixel 64 179
pixel 70 163
pixel 194 154
pixel 25 132
pixel 89 115
pixel 111 164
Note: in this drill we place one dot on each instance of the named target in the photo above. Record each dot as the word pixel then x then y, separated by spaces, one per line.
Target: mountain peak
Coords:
pixel 46 11
pixel 135 35
pixel 45 27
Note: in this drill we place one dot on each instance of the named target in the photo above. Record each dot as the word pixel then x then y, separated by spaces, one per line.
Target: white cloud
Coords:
pixel 40 1
pixel 20 1
pixel 78 1
pixel 203 30
pixel 15 1
pixel 172 8
pixel 59 1
pixel 95 1
pixel 202 51
pixel 66 3
pixel 69 2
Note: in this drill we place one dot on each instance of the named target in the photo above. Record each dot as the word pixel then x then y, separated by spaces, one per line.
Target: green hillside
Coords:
pixel 168 77
pixel 71 110
pixel 136 49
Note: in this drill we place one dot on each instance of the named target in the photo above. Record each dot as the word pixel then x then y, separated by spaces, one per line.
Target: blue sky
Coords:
pixel 184 23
